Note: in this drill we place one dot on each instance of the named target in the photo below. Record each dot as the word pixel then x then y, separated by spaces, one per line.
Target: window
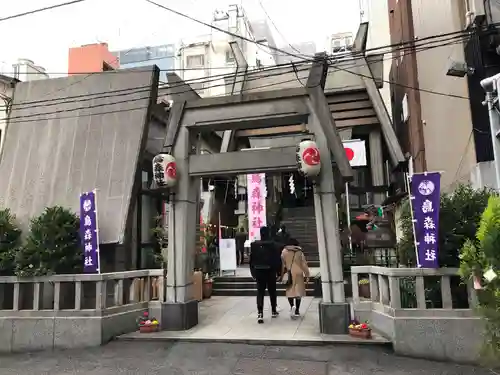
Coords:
pixel 195 61
pixel 348 41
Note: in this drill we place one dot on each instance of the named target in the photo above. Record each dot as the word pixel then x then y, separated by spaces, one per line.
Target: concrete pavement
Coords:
pixel 234 319
pixel 155 358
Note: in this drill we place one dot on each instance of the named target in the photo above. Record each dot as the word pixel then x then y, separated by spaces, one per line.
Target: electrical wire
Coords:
pixel 311 58
pixel 148 88
pixel 34 11
pixel 128 100
pixel 140 89
pixel 276 28
pixel 129 91
pixel 20 119
pixel 411 45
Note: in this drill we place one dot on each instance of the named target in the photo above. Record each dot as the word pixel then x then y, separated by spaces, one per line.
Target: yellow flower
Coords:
pixel 351 326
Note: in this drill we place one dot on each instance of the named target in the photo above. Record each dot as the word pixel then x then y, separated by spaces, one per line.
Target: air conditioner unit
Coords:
pixel 474 11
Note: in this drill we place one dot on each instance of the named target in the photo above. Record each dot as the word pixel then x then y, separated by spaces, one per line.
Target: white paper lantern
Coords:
pixel 308 159
pixel 165 170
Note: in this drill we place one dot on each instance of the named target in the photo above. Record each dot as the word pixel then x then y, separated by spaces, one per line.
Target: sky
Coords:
pixel 124 24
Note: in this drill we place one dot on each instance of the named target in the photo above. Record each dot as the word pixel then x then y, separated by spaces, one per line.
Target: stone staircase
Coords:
pixel 245 286
pixel 300 222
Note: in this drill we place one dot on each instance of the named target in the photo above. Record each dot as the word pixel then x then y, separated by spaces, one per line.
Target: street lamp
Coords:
pixel 490 86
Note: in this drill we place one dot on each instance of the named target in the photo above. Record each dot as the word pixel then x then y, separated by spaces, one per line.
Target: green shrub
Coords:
pixel 478 255
pixel 10 240
pixel 52 246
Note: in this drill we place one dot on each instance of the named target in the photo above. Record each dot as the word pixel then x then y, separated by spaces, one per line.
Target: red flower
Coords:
pixel 364 326
pixel 146 313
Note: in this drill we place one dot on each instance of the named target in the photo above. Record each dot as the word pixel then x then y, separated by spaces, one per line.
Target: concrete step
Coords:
pixel 246 286
pixel 251 292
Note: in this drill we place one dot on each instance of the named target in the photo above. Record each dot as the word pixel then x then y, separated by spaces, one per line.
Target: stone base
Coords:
pixel 334 318
pixel 179 316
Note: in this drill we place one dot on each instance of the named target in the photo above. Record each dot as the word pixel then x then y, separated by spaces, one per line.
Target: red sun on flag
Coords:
pixel 349 153
pixel 355 152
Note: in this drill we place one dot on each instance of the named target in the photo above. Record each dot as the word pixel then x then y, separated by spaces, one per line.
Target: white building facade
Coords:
pixel 376 13
pixel 205 60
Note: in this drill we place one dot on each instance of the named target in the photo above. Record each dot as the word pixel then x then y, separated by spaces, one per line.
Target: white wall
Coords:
pixel 376 13
pixel 449 146
pixel 214 47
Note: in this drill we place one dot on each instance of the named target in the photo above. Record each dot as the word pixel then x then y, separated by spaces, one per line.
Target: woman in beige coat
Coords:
pixel 293 259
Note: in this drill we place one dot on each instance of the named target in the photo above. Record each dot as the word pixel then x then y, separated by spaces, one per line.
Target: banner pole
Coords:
pixel 408 185
pixel 98 255
pixel 348 211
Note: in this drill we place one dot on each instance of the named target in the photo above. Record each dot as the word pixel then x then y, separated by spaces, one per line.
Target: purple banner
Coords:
pixel 89 232
pixel 425 198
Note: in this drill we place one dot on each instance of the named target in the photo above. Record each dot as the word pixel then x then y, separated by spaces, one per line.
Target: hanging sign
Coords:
pixel 89 232
pixel 425 197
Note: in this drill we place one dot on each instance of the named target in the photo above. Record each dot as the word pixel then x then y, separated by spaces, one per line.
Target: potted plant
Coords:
pixel 207 286
pixel 147 324
pixel 364 288
pixel 360 330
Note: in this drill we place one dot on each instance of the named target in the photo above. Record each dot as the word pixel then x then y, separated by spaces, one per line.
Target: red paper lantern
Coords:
pixel 308 158
pixel 165 170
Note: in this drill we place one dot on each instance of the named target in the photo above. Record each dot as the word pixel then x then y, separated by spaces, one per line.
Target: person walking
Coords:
pixel 282 236
pixel 240 238
pixel 297 275
pixel 265 267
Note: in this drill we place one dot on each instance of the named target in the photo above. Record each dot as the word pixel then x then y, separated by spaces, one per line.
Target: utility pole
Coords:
pixel 491 86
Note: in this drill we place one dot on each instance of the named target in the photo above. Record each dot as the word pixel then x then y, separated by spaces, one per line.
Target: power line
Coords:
pixel 225 31
pixel 276 27
pixel 19 119
pixel 130 91
pixel 41 10
pixel 138 89
pixel 129 100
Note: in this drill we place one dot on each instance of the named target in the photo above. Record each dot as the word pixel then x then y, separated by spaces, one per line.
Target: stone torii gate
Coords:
pixel 193 117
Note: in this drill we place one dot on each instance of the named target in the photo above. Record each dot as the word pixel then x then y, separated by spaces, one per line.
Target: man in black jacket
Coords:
pixel 265 266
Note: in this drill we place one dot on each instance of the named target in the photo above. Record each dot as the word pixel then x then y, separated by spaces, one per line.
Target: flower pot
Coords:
pixel 361 333
pixel 207 289
pixel 364 290
pixel 149 328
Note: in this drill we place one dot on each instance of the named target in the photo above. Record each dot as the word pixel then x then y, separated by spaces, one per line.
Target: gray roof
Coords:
pixel 70 135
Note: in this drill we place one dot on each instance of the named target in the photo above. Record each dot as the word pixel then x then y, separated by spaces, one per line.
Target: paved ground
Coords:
pixel 235 319
pixel 133 358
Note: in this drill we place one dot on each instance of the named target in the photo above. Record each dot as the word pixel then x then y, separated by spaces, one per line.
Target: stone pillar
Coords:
pixel 377 164
pixel 180 311
pixel 333 310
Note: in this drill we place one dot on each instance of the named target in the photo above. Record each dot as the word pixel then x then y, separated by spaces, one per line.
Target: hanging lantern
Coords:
pixel 308 158
pixel 165 170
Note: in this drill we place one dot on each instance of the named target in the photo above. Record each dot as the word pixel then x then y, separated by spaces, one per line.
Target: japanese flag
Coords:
pixel 355 152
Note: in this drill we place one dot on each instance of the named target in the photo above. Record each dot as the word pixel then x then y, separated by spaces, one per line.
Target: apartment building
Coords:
pixel 210 55
pixel 431 110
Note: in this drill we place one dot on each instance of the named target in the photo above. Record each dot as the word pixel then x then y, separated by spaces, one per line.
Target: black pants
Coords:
pixel 240 256
pixel 266 279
